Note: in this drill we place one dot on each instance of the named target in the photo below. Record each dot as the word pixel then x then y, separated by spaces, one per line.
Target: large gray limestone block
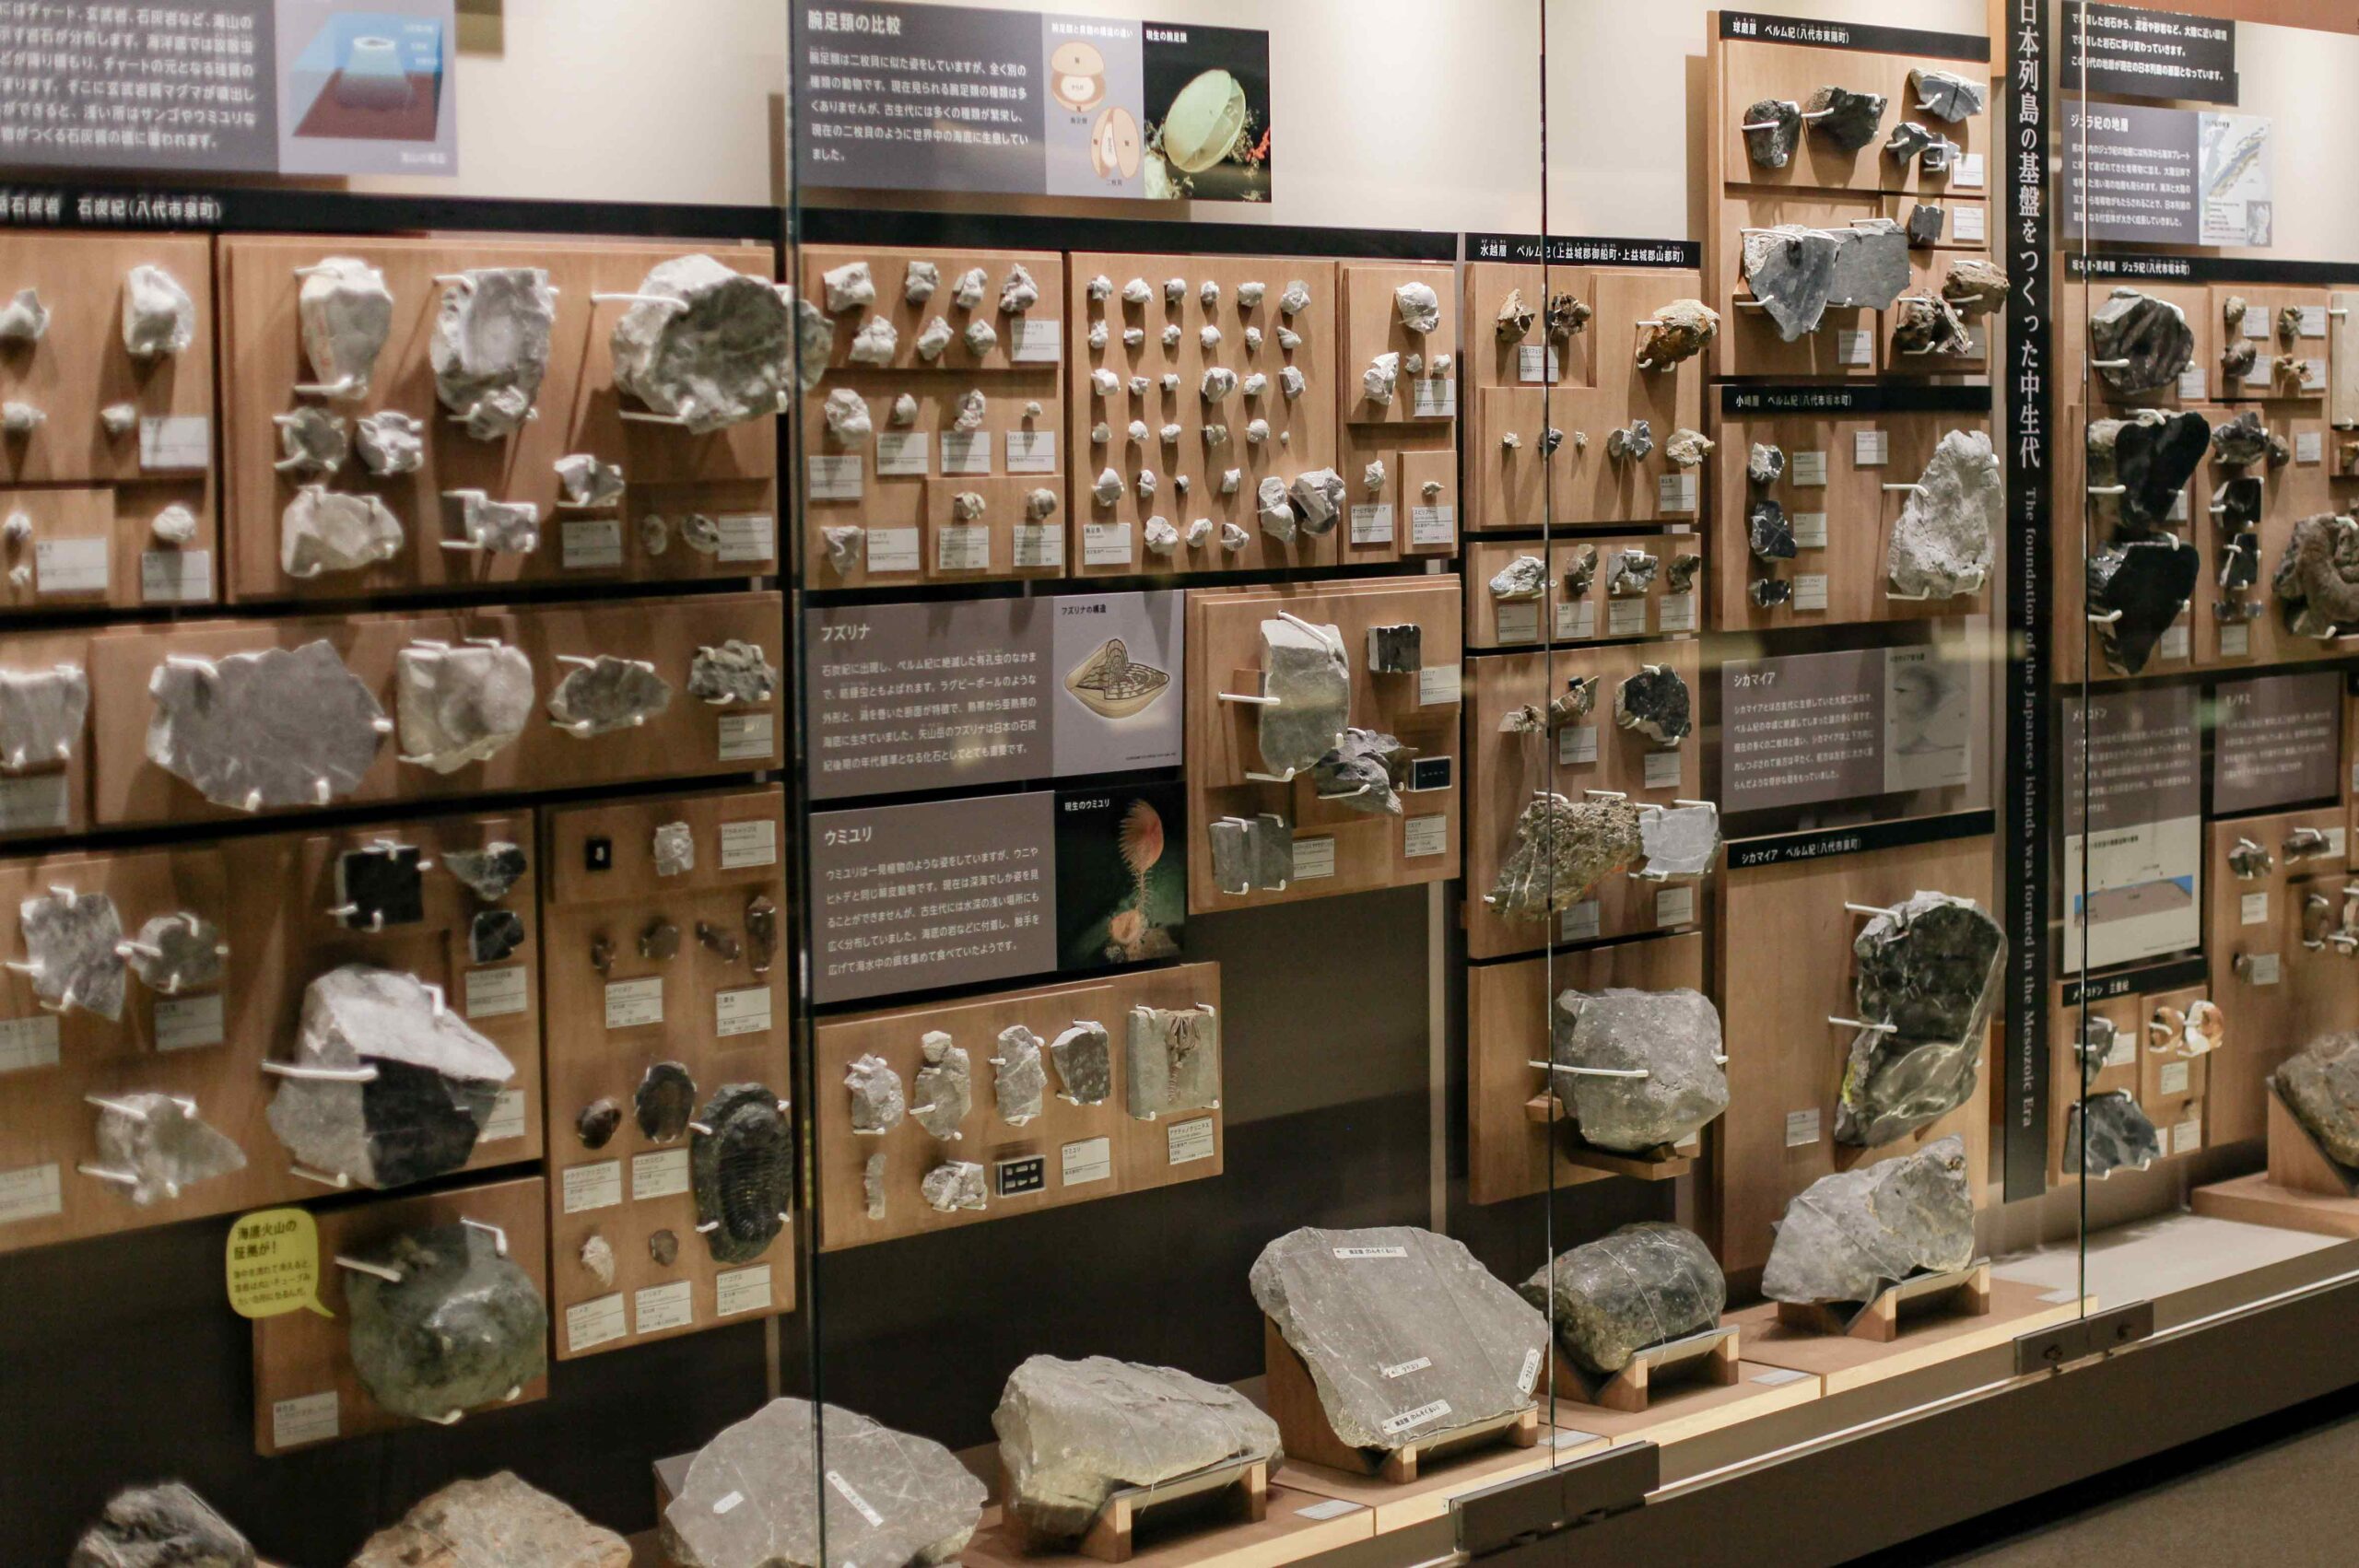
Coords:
pixel 499 1522
pixel 283 727
pixel 1792 271
pixel 1307 671
pixel 2104 1133
pixel 1680 841
pixel 2139 343
pixel 1562 849
pixel 1361 773
pixel 1019 1075
pixel 490 348
pixel 1870 264
pixel 1849 1236
pixel 1947 534
pixel 1643 1285
pixel 877 1103
pixel 723 354
pixel 460 706
pixel 160 1527
pixel 945 1090
pixel 464 1326
pixel 1083 1056
pixel 1674 1037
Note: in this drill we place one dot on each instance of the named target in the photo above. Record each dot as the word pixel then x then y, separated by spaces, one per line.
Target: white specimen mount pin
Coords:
pixel 377 1270
pixel 499 1237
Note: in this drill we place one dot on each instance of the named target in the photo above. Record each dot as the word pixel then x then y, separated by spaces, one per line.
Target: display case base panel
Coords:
pixel 1844 1362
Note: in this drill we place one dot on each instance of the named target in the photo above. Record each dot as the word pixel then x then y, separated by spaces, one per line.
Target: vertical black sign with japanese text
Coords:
pixel 2026 97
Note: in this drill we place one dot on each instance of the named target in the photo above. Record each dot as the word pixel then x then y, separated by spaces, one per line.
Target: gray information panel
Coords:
pixel 2133 857
pixel 2278 742
pixel 2167 176
pixel 1818 727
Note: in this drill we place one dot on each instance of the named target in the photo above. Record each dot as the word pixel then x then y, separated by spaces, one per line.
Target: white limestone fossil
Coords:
pixel 1372 476
pixel 1217 383
pixel 1234 538
pixel 1101 287
pixel 1256 431
pixel 1100 433
pixel 508 528
pixel 490 348
pixel 585 480
pixel 847 416
pixel 1097 334
pixel 1139 385
pixel 655 533
pixel 330 530
pixel 848 288
pixel 345 312
pixel 919 282
pixel 1108 487
pixel 967 506
pixel 1290 381
pixel 1174 290
pixel 1252 339
pixel 1255 384
pixel 843 541
pixel 602 695
pixel 389 443
pixel 708 346
pixel 875 343
pixel 1296 298
pixel 1145 484
pixel 1249 295
pixel 1275 510
pixel 1208 294
pixel 73 951
pixel 1161 538
pixel 173 526
pixel 1137 335
pixel 1017 292
pixel 1133 337
pixel 1418 306
pixel 1170 434
pixel 980 337
pixel 1137 291
pixel 1039 505
pixel 1379 380
pixel 973 285
pixel 281 727
pixel 20 418
pixel 158 318
pixel 1105 382
pixel 460 706
pixel 24 320
pixel 932 340
pixel 1198 532
pixel 118 418
pixel 1230 478
pixel 904 412
pixel 1289 339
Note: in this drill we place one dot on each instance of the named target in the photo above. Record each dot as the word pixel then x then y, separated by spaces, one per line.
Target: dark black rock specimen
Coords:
pixel 1362 773
pixel 1908 139
pixel 2106 1133
pixel 489 872
pixel 743 1171
pixel 1929 969
pixel 1655 703
pixel 2241 441
pixel 1769 532
pixel 2237 507
pixel 1644 1285
pixel 162 1527
pixel 1771 591
pixel 597 1123
pixel 2137 343
pixel 664 1248
pixel 2094 1050
pixel 2318 580
pixel 495 934
pixel 1925 224
pixel 379 887
pixel 1846 118
pixel 2152 456
pixel 667 1099
pixel 2149 582
pixel 1773 126
pixel 464 1327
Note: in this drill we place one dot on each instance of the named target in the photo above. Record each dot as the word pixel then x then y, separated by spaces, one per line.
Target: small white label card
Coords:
pixel 2194 383
pixel 2187 1136
pixel 1810 529
pixel 1519 621
pixel 894 550
pixel 1438 684
pixel 1424 835
pixel 962 547
pixel 1802 1127
pixel 1809 591
pixel 587 543
pixel 2252 909
pixel 834 476
pixel 1372 522
pixel 1576 746
pixel 70 566
pixel 175 441
pixel 1036 340
pixel 28 1043
pixel 1031 451
pixel 595 1322
pixel 495 993
pixel 635 1004
pixel 1039 544
pixel 1626 616
pixel 1087 1160
pixel 1675 492
pixel 2313 320
pixel 1966 172
pixel 1871 448
pixel 659 1308
pixel 1854 347
pixel 746 537
pixel 176 576
pixel 1674 906
pixel 748 737
pixel 1678 611
pixel 966 451
pixel 901 454
pixel 659 1173
pixel 35 800
pixel 1187 1142
pixel 742 1289
pixel 1314 858
pixel 1662 771
pixel 1578 619
pixel 1333 1508
pixel 747 844
pixel 743 1011
pixel 1535 366
pixel 308 1418
pixel 30 1192
pixel 1808 471
pixel 1969 229
pixel 1105 543
pixel 1432 525
pixel 2261 969
pixel 507 1119
pixel 592 1187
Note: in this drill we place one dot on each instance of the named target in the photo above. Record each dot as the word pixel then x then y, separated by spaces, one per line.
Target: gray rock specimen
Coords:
pixel 1679 841
pixel 1171 1061
pixel 283 727
pixel 1908 140
pixel 1074 1432
pixel 1019 1079
pixel 1562 849
pixel 1406 1336
pixel 345 312
pixel 1928 976
pixel 732 672
pixel 2149 582
pixel 176 952
pixel 712 347
pixel 1871 265
pixel 877 1104
pixel 1849 1236
pixel 158 318
pixel 1792 271
pixel 890 1500
pixel 312 441
pixel 1252 854
pixel 1973 288
pixel 605 694
pixel 2150 456
pixel 1632 443
pixel 160 1527
pixel 1568 314
pixel 596 1123
pixel 843 543
pixel 1396 649
pixel 875 343
pixel 488 873
pixel 1678 331
pixel 848 288
pixel 1847 119
pixel 814 337
pixel 25 320
pixel 1361 773
pixel 1515 318
pixel 1381 378
pixel 1674 1037
pixel 2319 1084
pixel 945 1091
pixel 2241 441
pixel 1945 95
pixel 1318 498
pixel 1769 593
pixel 872 1185
pixel 1924 324
pixel 499 1522
pixel 665 1102
pixel 462 1327
pixel 1688 449
pixel 1083 1057
pixel 954 1185
pixel 1307 670
pixel 1644 1285
pixel 490 348
pixel 2137 343
pixel 1655 702
pixel 41 714
pixel 72 944
pixel 1274 509
pixel 2318 578
pixel 1924 225
pixel 1526 577
pixel 1773 128
pixel 328 531
pixel 156 1146
pixel 741 1169
pixel 584 479
pixel 433 1085
pixel 2107 1132
pixel 1767 532
pixel 389 443
pixel 460 706
pixel 1946 537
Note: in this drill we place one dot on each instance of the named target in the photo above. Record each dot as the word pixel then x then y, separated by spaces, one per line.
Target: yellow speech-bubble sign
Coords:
pixel 272 1262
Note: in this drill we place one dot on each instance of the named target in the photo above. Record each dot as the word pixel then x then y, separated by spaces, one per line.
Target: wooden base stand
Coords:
pixel 1963 1293
pixel 1111 1535
pixel 2304 1188
pixel 1709 1357
pixel 1660 1164
pixel 1302 1423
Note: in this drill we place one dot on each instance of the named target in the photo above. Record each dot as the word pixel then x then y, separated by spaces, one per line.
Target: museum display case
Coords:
pixel 909 781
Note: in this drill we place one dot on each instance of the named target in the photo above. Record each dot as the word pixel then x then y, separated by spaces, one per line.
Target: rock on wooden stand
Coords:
pixel 1113 1536
pixel 1293 1401
pixel 1711 1357
pixel 1960 1292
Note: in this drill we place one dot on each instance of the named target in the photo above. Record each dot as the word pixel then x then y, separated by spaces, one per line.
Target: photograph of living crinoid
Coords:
pixel 1121 875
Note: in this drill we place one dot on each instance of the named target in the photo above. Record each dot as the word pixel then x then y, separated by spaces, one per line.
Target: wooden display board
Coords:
pixel 899 483
pixel 688 738
pixel 1597 388
pixel 2275 995
pixel 719 1010
pixel 44 801
pixel 728 476
pixel 269 895
pixel 306 1388
pixel 1784 966
pixel 1504 772
pixel 90 494
pixel 1511 1011
pixel 1077 1152
pixel 1560 616
pixel 1420 710
pixel 1844 579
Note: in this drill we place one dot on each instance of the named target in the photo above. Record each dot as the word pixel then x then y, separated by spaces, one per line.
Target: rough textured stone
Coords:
pixel 1418 306
pixel 945 1091
pixel 1687 448
pixel 1171 1061
pixel 1945 95
pixel 1355 1305
pixel 606 694
pixel 1792 271
pixel 1568 314
pixel 491 348
pixel 1928 968
pixel 389 442
pixel 872 1185
pixel 1362 772
pixel 1679 841
pixel 1924 225
pixel 1871 265
pixel 848 288
pixel 1773 129
pixel 1908 140
pixel 1318 498
pixel 1974 287
pixel 1850 1235
pixel 1672 1036
pixel 312 441
pixel 1923 324
pixel 1019 1079
pixel 1644 1285
pixel 889 1500
pixel 173 526
pixel 2152 455
pixel 1398 649
pixel 460 706
pixel 494 934
pixel 2318 578
pixel 1766 465
pixel 664 1102
pixel 2107 1132
pixel 732 672
pixel 1768 533
pixel 1676 332
pixel 675 849
pixel 2319 1085
pixel 1562 849
pixel 176 952
pixel 584 479
pixel 41 715
pixel 1846 118
pixel 742 1171
pixel 345 313
pixel 1074 1432
pixel 1768 592
pixel 596 1123
pixel 158 318
pixel 1633 443
pixel 1305 667
pixel 161 1144
pixel 283 727
pixel 328 531
pixel 2138 343
pixel 1526 577
pixel 954 1185
pixel 1381 378
pixel 1274 509
pixel 166 1525
pixel 2150 582
pixel 489 872
pixel 2241 441
pixel 464 1327
pixel 1515 318
pixel 1656 703
pixel 1946 537
pixel 722 354
pixel 499 1522
pixel 1083 1056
